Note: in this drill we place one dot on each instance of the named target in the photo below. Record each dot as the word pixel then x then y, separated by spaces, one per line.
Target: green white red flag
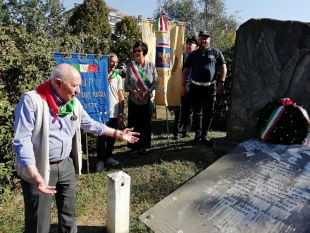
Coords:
pixel 161 24
pixel 83 68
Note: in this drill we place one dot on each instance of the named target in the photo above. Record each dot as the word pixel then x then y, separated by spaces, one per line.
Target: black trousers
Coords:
pixel 203 100
pixel 38 205
pixel 139 117
pixel 183 116
pixel 105 144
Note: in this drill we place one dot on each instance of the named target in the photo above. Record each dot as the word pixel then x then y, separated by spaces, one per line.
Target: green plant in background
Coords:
pixel 221 108
pixel 203 15
pixel 90 22
pixel 126 33
pixel 26 61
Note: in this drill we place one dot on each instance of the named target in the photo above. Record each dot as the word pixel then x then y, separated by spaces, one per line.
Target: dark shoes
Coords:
pixel 196 140
pixel 207 142
pixel 183 135
pixel 135 153
pixel 204 140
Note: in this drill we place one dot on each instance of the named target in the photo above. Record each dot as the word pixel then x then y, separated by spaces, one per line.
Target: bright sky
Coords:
pixel 244 9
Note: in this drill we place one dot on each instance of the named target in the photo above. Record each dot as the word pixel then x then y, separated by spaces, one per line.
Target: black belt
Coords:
pixel 57 162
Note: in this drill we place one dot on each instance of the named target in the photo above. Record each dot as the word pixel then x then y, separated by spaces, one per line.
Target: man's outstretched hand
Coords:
pixel 129 136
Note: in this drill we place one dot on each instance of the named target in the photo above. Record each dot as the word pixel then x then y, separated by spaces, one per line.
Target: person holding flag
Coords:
pixel 141 80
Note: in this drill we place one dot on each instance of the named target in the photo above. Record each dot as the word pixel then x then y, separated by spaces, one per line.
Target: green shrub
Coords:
pixel 221 109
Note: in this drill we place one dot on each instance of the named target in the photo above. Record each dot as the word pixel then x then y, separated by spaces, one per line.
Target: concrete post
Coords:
pixel 118 201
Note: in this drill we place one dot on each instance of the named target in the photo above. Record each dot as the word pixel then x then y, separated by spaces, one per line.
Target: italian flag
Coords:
pixel 161 24
pixel 88 68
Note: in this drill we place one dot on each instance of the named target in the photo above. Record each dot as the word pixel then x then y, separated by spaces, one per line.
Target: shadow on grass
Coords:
pixel 163 149
pixel 83 229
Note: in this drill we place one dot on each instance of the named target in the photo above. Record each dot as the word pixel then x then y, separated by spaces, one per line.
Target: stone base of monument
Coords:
pixel 256 187
pixel 222 144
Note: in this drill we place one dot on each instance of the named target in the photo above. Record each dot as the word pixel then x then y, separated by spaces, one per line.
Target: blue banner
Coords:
pixel 94 91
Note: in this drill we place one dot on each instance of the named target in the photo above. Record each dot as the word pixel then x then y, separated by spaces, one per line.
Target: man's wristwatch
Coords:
pixel 121 114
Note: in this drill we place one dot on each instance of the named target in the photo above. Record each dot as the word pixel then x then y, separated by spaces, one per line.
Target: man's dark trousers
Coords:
pixel 203 100
pixel 183 116
pixel 105 144
pixel 38 205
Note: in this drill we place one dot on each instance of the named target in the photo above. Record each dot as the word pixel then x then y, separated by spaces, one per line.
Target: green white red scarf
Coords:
pixel 114 75
pixel 45 91
pixel 143 83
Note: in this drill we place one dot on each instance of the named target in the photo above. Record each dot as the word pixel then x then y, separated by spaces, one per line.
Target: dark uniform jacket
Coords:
pixel 203 64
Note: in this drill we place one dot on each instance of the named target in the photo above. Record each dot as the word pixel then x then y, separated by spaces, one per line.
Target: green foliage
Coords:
pixel 90 23
pixel 91 18
pixel 183 11
pixel 94 45
pixel 203 15
pixel 126 33
pixel 221 108
pixel 25 62
pixel 33 15
pixel 4 13
pixel 221 25
pixel 291 128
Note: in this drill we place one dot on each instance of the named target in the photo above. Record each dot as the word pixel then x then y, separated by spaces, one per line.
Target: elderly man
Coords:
pixel 183 114
pixel 203 63
pixel 48 148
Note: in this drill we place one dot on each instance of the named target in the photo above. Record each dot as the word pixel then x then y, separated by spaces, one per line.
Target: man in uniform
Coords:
pixel 184 113
pixel 203 63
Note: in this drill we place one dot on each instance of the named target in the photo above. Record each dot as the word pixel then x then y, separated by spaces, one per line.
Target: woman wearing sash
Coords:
pixel 141 80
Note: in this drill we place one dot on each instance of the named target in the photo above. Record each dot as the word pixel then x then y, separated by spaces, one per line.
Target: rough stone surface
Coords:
pixel 272 60
pixel 257 187
pixel 223 145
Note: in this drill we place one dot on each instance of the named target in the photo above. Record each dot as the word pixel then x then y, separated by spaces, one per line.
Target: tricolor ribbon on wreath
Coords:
pixel 144 85
pixel 276 115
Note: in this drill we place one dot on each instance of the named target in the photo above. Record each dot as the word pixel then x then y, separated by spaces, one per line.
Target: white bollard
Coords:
pixel 118 195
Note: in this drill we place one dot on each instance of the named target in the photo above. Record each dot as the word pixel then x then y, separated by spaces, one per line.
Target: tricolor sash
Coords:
pixel 144 84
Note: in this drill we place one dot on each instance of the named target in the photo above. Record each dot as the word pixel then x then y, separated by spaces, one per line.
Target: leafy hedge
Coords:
pixel 221 109
pixel 26 61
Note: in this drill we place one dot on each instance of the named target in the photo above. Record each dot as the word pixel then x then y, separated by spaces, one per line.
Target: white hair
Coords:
pixel 58 73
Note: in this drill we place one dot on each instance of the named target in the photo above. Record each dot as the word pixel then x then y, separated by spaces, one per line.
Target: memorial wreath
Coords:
pixel 284 122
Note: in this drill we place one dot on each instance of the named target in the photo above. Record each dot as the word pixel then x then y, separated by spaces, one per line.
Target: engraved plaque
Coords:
pixel 257 187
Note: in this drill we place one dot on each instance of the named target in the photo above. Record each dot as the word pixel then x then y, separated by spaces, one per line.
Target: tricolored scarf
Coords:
pixel 115 73
pixel 45 91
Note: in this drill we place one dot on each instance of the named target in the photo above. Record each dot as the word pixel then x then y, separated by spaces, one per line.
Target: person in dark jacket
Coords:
pixel 202 64
pixel 184 113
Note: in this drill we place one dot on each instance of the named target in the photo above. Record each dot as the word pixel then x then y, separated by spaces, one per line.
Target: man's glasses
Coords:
pixel 137 51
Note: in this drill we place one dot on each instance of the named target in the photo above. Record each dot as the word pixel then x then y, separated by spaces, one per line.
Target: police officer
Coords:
pixel 184 113
pixel 203 63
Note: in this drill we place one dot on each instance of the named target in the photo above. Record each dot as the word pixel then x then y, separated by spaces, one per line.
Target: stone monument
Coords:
pixel 272 60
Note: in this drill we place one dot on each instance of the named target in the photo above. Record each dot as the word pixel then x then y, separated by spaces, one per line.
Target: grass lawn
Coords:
pixel 167 166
